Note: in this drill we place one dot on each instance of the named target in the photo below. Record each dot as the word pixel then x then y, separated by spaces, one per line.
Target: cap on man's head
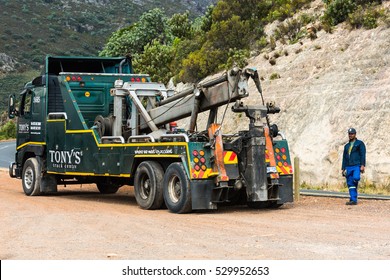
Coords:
pixel 351 131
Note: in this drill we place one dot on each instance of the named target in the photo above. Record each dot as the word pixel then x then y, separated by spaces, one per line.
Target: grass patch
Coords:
pixel 365 186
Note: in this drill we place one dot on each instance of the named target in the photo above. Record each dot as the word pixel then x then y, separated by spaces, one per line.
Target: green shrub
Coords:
pixel 291 30
pixel 272 61
pixel 337 11
pixel 237 58
pixel 8 130
pixel 261 43
pixel 282 9
pixel 355 11
pixel 274 76
pixel 366 17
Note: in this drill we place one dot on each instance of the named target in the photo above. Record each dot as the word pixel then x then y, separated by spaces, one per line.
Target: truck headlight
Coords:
pixel 118 84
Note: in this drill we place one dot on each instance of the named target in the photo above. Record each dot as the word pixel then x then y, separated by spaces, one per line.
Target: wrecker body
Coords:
pixel 92 120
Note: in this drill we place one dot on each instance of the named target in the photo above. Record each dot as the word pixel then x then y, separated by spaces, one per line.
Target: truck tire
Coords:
pixel 177 189
pixel 107 188
pixel 148 185
pixel 31 177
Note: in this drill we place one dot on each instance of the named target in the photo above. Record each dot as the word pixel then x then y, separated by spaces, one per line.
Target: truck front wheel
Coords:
pixel 148 185
pixel 31 177
pixel 177 191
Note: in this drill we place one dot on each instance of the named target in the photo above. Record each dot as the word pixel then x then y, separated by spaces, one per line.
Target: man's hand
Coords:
pixel 362 168
pixel 344 172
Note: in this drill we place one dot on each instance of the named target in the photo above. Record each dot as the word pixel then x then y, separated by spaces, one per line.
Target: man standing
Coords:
pixel 354 162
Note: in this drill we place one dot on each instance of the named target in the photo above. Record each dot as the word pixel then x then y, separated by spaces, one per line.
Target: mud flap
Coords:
pixel 286 189
pixel 256 171
pixel 203 194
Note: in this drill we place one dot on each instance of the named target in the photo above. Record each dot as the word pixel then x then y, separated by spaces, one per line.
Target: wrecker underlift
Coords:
pixel 91 120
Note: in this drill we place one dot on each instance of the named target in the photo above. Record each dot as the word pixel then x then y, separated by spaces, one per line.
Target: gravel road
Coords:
pixel 79 223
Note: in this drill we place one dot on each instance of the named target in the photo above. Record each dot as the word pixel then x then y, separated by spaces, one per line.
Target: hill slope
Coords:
pixel 30 29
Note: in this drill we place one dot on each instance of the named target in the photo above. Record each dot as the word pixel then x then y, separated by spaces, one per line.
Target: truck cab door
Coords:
pixel 23 129
pixel 31 119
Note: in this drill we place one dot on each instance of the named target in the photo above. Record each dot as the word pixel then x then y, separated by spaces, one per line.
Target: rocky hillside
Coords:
pixel 337 81
pixel 324 86
pixel 327 85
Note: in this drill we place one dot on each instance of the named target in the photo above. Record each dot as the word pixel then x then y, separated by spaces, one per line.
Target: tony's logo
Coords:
pixel 65 159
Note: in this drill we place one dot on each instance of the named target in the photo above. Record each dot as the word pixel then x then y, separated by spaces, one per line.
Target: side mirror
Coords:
pixel 12 112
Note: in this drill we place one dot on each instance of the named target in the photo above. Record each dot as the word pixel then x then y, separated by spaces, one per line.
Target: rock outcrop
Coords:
pixel 7 63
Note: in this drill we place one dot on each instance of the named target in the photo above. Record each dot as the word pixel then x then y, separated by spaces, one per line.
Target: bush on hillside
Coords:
pixel 337 11
pixel 8 130
pixel 366 17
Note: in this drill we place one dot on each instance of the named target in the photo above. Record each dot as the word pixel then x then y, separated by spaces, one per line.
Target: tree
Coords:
pixel 180 25
pixel 156 60
pixel 131 40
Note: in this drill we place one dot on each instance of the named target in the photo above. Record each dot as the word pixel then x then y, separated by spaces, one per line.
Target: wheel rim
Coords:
pixel 145 187
pixel 174 189
pixel 28 178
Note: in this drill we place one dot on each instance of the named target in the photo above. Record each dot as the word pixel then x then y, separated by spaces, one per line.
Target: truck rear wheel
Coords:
pixel 31 177
pixel 148 185
pixel 107 188
pixel 177 191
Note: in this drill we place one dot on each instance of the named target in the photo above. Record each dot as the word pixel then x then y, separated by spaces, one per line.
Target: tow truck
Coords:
pixel 91 120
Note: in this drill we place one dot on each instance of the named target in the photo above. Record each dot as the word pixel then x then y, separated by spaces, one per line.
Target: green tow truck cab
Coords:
pixel 91 120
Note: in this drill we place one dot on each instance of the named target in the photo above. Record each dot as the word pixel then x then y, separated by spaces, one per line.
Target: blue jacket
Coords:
pixel 357 156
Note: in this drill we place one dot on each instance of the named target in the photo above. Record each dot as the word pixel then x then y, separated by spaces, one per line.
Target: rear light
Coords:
pixel 199 160
pixel 137 80
pixel 282 159
pixel 73 78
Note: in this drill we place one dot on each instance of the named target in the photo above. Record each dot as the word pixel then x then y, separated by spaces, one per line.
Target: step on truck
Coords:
pixel 91 120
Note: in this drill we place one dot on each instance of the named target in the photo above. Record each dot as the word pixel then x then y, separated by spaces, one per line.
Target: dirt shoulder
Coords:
pixel 79 223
